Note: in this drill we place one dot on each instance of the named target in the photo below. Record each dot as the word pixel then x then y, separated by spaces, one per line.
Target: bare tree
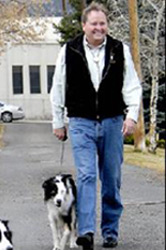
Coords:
pixel 124 25
pixel 119 19
pixel 15 25
pixel 139 136
pixel 150 25
pixel 64 7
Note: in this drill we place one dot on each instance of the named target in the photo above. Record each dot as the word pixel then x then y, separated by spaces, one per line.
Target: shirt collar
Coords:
pixel 85 42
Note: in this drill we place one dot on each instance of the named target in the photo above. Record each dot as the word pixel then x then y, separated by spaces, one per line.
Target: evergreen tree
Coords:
pixel 70 25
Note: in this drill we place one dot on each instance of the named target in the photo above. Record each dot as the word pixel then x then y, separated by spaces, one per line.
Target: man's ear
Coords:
pixel 83 26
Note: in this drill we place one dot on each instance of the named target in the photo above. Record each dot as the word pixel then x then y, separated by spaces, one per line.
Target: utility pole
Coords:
pixel 64 7
pixel 83 3
pixel 139 135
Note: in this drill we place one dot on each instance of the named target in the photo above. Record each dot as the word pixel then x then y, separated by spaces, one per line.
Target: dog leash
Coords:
pixel 62 150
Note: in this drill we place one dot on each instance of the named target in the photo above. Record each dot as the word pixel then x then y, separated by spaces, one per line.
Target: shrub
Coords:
pixel 161 143
pixel 129 140
pixel 147 142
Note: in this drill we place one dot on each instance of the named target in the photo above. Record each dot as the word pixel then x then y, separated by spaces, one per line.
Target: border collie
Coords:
pixel 5 236
pixel 60 198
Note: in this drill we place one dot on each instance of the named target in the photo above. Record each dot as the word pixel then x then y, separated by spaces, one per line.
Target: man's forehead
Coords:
pixel 96 14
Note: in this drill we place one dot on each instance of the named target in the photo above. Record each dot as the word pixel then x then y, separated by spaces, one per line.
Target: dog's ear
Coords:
pixel 74 189
pixel 5 222
pixel 48 182
pixel 45 184
pixel 66 176
pixel 9 232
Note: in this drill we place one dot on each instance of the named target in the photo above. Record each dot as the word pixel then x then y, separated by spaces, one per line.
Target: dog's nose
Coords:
pixel 59 202
pixel 10 248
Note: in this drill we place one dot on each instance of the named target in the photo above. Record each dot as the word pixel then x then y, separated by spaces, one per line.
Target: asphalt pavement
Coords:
pixel 31 154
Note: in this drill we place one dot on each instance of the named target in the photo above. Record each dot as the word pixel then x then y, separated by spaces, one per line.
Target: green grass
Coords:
pixel 146 160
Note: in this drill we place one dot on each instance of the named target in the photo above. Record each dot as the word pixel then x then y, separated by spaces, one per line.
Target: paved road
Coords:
pixel 32 154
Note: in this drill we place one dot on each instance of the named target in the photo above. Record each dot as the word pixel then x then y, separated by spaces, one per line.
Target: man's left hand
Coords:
pixel 128 127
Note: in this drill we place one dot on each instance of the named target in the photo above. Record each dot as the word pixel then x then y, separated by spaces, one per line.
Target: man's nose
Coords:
pixel 98 26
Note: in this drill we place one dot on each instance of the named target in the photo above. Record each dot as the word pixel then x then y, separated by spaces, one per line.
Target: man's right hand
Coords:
pixel 60 133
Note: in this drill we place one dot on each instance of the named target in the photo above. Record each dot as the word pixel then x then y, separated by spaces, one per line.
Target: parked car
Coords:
pixel 8 112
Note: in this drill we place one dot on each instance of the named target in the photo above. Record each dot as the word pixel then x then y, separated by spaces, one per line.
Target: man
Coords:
pixel 96 81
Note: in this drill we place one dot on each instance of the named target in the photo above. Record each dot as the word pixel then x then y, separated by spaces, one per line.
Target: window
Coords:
pixel 50 72
pixel 34 79
pixel 17 79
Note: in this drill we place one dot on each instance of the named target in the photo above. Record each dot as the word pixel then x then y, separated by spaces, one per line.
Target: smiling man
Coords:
pixel 95 27
pixel 96 82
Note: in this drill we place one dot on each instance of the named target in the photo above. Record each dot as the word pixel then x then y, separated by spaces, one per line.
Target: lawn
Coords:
pixel 148 160
pixel 152 161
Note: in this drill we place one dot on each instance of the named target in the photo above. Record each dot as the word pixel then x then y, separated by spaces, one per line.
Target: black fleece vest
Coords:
pixel 82 100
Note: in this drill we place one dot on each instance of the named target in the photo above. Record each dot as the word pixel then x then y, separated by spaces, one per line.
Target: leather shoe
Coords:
pixel 86 241
pixel 110 242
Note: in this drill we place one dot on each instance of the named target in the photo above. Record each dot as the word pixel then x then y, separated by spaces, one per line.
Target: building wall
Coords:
pixel 36 106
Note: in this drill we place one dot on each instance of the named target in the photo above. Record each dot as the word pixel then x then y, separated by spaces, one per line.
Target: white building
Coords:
pixel 26 74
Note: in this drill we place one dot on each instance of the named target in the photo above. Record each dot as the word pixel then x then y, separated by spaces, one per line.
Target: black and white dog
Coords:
pixel 60 197
pixel 5 236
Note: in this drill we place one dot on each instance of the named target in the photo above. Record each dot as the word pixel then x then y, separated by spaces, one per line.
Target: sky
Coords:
pixel 54 8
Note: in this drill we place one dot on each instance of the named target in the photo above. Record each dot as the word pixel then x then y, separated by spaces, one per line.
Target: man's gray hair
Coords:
pixel 93 7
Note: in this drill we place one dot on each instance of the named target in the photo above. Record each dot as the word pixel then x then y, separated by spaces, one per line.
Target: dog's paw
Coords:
pixel 56 248
pixel 73 245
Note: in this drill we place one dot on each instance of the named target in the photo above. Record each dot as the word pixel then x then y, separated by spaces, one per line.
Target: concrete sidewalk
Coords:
pixel 32 154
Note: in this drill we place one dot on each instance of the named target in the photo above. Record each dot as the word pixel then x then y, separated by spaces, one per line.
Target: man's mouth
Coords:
pixel 98 34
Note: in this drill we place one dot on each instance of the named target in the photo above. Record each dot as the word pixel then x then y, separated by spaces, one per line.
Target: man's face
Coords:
pixel 96 27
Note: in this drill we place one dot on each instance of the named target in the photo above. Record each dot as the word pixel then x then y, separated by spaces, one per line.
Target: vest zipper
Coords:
pixel 97 100
pixel 86 64
pixel 110 63
pixel 97 106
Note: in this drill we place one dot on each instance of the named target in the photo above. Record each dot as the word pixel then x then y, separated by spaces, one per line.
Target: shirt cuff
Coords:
pixel 133 114
pixel 59 124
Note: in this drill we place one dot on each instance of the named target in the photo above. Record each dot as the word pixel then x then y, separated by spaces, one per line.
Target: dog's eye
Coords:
pixel 8 235
pixel 53 192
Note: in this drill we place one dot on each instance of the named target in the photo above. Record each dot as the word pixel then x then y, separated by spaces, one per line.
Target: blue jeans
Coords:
pixel 99 144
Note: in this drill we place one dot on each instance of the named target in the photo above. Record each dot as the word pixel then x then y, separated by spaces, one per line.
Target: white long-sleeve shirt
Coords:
pixel 131 90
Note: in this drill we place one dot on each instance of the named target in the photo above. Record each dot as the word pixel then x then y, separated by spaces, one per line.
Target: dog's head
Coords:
pixel 58 188
pixel 5 236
